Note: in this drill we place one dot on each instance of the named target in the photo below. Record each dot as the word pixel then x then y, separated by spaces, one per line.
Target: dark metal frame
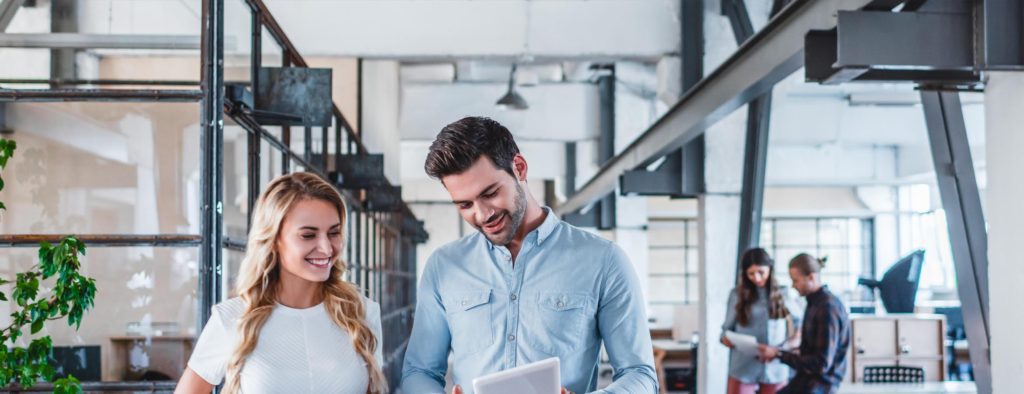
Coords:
pixel 381 256
pixel 602 215
pixel 681 173
pixel 755 148
pixel 965 220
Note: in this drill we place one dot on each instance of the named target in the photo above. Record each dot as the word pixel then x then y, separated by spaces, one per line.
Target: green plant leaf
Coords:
pixel 36 326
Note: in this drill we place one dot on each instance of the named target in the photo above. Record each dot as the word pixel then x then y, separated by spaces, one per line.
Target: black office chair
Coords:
pixel 893 374
pixel 898 287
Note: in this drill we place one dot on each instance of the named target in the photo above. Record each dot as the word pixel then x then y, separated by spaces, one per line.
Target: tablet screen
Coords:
pixel 541 377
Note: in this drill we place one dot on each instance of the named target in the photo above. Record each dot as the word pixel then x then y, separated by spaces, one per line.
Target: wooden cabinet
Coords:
pixel 913 340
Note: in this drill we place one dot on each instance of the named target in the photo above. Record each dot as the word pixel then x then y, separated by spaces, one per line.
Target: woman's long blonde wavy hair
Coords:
pixel 259 275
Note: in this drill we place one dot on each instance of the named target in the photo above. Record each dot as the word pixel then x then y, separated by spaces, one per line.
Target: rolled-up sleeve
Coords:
pixel 426 361
pixel 622 321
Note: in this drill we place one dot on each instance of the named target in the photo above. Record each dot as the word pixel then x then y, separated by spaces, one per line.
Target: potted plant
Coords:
pixel 70 296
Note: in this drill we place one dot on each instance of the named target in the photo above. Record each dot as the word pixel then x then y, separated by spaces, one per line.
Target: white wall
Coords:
pixel 1003 111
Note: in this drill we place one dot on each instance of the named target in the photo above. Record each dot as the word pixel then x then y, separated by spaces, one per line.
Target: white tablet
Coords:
pixel 541 377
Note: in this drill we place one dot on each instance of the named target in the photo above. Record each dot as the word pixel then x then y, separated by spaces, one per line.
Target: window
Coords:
pixel 674 264
pixel 846 242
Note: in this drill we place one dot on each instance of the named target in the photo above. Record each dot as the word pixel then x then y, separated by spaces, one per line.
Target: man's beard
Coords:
pixel 515 219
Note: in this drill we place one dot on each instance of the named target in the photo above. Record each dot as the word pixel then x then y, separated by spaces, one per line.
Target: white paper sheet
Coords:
pixel 742 342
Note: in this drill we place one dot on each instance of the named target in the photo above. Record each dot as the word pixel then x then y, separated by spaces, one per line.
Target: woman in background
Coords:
pixel 758 307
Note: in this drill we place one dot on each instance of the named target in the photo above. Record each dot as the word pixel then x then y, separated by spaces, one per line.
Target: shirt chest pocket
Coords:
pixel 559 323
pixel 469 318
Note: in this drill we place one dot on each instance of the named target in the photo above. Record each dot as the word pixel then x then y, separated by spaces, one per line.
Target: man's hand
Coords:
pixel 726 342
pixel 458 390
pixel 767 353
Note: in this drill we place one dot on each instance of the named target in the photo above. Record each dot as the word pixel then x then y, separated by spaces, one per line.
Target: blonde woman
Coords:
pixel 296 325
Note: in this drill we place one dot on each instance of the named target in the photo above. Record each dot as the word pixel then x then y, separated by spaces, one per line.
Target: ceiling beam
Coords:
pixel 765 59
pixel 101 41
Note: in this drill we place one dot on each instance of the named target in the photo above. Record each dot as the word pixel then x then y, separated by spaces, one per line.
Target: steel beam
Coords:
pixel 65 40
pixel 211 143
pixel 765 59
pixel 602 216
pixel 103 95
pixel 77 81
pixel 691 155
pixel 755 161
pixel 63 20
pixel 958 188
pixel 905 40
pixel 755 148
pixel 739 19
pixel 8 8
pixel 103 240
pixel 681 173
pixel 1002 33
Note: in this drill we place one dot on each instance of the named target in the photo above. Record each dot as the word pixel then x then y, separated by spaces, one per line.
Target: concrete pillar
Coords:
pixel 380 109
pixel 1003 117
pixel 718 218
pixel 631 235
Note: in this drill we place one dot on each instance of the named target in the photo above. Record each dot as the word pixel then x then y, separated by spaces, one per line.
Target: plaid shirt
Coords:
pixel 820 363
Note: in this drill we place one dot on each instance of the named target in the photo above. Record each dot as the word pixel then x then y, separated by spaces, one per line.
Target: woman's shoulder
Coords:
pixel 228 311
pixel 371 307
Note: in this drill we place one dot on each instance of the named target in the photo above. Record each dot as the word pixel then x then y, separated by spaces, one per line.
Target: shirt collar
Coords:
pixel 821 294
pixel 550 223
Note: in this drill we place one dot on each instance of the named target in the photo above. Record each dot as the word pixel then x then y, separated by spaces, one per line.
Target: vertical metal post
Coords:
pixel 755 151
pixel 606 145
pixel 755 158
pixel 958 188
pixel 286 131
pixel 570 168
pixel 256 56
pixel 337 144
pixel 690 157
pixel 254 139
pixel 63 19
pixel 324 147
pixel 253 175
pixel 307 145
pixel 211 166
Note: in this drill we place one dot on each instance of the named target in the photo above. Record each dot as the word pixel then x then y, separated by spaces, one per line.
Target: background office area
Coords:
pixel 881 134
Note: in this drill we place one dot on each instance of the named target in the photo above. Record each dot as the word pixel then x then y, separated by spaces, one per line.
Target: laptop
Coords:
pixel 541 377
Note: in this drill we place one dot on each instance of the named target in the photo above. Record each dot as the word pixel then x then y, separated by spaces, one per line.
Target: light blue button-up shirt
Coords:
pixel 567 291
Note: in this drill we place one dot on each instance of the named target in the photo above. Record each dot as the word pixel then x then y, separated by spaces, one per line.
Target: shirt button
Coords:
pixel 561 304
pixel 514 297
pixel 511 338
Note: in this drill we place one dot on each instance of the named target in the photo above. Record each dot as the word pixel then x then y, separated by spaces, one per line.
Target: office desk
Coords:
pixel 670 353
pixel 167 354
pixel 909 388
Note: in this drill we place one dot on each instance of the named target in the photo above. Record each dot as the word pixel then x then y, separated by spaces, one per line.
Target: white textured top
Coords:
pixel 299 351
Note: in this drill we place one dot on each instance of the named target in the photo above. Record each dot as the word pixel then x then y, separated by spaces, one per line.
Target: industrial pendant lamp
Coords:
pixel 512 99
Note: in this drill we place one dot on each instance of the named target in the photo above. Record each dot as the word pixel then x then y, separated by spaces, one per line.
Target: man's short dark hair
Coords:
pixel 463 142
